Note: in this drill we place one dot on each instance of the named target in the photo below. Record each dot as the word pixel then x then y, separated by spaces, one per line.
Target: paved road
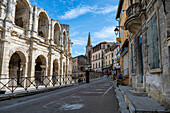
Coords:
pixel 95 97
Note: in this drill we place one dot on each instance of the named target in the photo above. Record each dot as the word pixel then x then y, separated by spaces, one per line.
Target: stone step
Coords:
pixel 140 84
pixel 137 93
pixel 140 89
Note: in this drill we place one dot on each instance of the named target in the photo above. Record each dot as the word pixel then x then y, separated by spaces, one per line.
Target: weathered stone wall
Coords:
pixel 28 42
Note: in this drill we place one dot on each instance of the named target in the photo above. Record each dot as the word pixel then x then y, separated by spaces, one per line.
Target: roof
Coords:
pixel 80 56
pixel 119 9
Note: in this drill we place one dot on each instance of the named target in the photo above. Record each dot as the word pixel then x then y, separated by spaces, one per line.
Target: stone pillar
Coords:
pixel 35 22
pixel 3 7
pixel 30 22
pixel 61 64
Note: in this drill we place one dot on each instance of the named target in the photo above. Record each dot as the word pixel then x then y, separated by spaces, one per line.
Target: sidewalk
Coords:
pixel 20 92
pixel 140 104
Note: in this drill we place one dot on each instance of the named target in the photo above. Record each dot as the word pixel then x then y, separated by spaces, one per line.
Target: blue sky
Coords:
pixel 83 16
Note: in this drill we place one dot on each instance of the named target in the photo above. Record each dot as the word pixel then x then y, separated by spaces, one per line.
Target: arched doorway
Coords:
pixel 16 69
pixel 40 70
pixel 55 77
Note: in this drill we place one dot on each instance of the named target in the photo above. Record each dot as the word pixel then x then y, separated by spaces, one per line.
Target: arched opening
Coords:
pixel 40 70
pixel 64 40
pixel 16 69
pixel 55 72
pixel 43 25
pixel 22 14
pixel 57 34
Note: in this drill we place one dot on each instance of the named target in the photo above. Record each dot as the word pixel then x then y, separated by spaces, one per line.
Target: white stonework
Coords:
pixel 30 41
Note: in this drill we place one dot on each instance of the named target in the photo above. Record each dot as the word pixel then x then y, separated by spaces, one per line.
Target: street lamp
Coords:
pixel 117 30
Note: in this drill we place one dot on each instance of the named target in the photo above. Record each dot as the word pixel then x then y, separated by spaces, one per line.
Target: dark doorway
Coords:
pixel 141 60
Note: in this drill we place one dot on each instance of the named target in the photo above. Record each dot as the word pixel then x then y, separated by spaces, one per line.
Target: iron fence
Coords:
pixel 39 81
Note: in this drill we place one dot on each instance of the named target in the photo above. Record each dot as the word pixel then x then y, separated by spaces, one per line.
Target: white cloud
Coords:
pixel 74 34
pixel 106 10
pixel 74 13
pixel 105 33
pixel 81 10
pixel 79 41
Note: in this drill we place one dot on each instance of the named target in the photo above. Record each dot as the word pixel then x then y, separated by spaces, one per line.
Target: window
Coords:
pixel 96 65
pixel 93 65
pixel 103 46
pixel 96 57
pixel 106 63
pixel 132 61
pixel 108 46
pixel 112 61
pixel 106 57
pixel 99 64
pixel 99 55
pixel 109 62
pixel 153 43
pixel 112 54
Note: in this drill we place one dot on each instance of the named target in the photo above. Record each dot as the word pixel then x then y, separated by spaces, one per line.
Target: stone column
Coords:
pixel 30 22
pixel 35 22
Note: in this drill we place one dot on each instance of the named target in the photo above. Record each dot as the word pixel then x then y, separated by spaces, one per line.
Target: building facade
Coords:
pixel 98 55
pixel 123 34
pixel 80 63
pixel 31 43
pixel 149 47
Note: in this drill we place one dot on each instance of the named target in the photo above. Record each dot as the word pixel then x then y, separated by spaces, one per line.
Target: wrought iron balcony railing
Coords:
pixel 134 10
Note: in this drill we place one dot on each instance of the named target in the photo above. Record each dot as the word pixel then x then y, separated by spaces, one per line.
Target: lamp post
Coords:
pixel 117 30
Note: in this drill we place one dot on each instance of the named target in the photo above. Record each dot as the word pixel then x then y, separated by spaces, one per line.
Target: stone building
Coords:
pixel 123 34
pixel 80 63
pixel 98 55
pixel 148 22
pixel 31 43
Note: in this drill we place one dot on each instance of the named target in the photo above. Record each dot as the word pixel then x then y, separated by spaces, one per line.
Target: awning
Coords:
pixel 119 51
pixel 125 50
pixel 108 66
pixel 125 45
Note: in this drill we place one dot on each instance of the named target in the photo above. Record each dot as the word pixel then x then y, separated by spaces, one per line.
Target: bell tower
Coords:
pixel 89 50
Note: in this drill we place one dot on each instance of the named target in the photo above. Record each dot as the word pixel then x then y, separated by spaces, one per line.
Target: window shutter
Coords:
pixel 153 43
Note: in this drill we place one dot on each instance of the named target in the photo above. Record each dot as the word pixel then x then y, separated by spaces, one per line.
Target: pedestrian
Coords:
pixel 110 72
pixel 87 76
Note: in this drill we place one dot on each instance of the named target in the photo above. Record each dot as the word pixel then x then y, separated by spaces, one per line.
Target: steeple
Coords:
pixel 89 40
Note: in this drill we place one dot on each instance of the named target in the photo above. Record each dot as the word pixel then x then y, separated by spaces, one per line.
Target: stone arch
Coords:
pixel 55 67
pixel 40 69
pixel 17 67
pixel 22 14
pixel 43 25
pixel 57 30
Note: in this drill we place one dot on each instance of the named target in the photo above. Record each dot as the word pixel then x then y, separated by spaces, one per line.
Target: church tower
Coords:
pixel 89 50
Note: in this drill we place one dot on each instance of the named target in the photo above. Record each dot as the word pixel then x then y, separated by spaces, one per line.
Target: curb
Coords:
pixel 33 92
pixel 127 101
pixel 37 91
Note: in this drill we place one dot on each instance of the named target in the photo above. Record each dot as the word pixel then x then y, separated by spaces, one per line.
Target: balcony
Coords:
pixel 134 14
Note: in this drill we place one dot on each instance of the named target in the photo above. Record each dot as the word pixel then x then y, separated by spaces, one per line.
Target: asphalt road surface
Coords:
pixel 94 97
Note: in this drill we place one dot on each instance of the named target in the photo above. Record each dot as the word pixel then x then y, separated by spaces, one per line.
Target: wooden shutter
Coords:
pixel 153 43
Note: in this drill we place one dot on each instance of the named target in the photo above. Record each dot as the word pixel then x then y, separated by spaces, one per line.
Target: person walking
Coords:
pixel 87 76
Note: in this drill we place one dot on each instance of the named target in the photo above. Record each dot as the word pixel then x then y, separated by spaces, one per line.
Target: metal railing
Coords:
pixel 134 10
pixel 11 84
